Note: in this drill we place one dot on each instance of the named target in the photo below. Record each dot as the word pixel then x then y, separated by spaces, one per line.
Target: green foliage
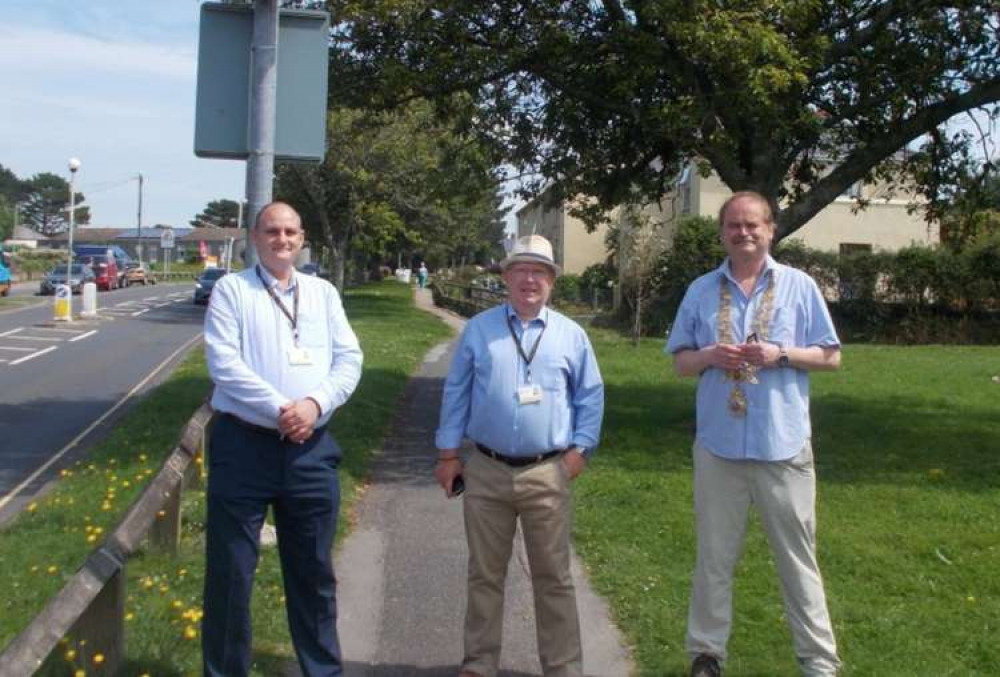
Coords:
pixel 36 261
pixel 795 100
pixel 220 214
pixel 568 288
pixel 396 183
pixel 695 250
pixel 46 204
pixel 6 218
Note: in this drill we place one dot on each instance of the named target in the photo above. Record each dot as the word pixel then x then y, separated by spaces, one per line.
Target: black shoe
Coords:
pixel 706 665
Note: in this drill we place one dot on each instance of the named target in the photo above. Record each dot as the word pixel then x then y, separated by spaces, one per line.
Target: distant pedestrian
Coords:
pixel 283 358
pixel 422 275
pixel 751 331
pixel 525 388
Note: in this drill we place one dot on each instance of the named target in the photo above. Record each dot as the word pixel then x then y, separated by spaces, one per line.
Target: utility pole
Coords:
pixel 263 114
pixel 138 225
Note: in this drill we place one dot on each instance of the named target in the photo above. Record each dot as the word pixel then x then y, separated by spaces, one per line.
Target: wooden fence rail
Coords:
pixel 91 606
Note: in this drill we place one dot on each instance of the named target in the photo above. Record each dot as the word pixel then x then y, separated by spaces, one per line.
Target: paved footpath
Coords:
pixel 402 570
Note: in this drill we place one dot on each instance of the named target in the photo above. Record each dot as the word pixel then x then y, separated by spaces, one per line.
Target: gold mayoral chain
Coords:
pixel 747 373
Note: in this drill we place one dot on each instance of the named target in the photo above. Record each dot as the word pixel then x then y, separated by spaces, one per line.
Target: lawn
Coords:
pixel 906 442
pixel 45 546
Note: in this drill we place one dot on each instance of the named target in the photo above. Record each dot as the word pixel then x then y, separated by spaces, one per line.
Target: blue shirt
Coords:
pixel 776 425
pixel 480 393
pixel 248 341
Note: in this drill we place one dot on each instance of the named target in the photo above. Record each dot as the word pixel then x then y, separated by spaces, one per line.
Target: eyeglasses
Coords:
pixel 525 271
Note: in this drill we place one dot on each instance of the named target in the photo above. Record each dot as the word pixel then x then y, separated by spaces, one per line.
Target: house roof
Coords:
pixel 210 234
pixel 81 235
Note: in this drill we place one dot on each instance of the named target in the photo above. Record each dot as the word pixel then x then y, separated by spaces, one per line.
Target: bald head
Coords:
pixel 278 237
pixel 276 208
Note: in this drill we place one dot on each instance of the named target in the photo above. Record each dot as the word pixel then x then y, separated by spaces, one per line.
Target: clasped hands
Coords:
pixel 297 420
pixel 733 357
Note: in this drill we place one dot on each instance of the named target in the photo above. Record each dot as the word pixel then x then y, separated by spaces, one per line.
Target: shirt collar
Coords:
pixel 543 316
pixel 770 265
pixel 272 282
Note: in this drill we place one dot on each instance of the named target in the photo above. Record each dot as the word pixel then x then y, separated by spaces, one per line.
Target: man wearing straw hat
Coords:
pixel 750 331
pixel 525 388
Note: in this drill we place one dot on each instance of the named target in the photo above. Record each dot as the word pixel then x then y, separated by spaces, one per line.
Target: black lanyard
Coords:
pixel 293 317
pixel 520 349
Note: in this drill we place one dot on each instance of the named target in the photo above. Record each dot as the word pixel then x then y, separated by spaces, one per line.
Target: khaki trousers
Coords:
pixel 785 496
pixel 496 496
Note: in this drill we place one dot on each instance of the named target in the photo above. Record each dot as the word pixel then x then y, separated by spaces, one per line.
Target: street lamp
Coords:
pixel 74 165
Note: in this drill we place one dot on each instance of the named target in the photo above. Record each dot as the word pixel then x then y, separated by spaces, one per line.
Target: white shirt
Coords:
pixel 249 343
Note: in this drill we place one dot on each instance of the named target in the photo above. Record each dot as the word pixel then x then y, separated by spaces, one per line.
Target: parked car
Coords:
pixel 204 284
pixel 120 256
pixel 105 270
pixel 314 269
pixel 79 274
pixel 136 273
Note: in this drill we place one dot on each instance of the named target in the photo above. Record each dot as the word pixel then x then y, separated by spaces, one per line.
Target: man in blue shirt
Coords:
pixel 283 358
pixel 525 388
pixel 750 331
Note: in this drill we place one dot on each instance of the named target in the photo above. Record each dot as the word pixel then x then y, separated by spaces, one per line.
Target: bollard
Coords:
pixel 89 300
pixel 62 306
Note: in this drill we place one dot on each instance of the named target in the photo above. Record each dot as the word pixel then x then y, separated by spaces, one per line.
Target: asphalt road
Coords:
pixel 57 378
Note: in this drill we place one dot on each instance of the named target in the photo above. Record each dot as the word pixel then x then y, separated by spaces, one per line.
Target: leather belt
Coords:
pixel 517 461
pixel 260 429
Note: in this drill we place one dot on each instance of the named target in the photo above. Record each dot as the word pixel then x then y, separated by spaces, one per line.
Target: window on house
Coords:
pixel 853 191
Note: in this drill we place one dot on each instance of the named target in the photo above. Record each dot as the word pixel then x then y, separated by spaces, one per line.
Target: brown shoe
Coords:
pixel 706 665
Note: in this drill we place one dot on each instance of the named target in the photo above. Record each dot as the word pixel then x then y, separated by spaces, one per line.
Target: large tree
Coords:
pixel 797 100
pixel 391 183
pixel 220 214
pixel 45 204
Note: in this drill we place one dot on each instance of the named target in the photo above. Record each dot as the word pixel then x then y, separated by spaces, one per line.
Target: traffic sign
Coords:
pixel 167 238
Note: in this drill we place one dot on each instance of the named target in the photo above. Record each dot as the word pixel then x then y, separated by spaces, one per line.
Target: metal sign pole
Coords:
pixel 263 106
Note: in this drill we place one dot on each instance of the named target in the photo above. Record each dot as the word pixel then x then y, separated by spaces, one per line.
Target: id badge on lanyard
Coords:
pixel 530 393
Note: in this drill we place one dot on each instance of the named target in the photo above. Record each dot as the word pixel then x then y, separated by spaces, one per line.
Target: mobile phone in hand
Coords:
pixel 457 486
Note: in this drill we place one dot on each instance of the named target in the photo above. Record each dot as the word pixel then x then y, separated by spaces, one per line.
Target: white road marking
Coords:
pixel 35 338
pixel 12 331
pixel 62 452
pixel 83 336
pixel 33 356
pixel 152 298
pixel 164 305
pixel 20 350
pixel 57 329
pixel 144 310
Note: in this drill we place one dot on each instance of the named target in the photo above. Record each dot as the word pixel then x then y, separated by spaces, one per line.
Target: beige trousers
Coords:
pixel 496 496
pixel 785 496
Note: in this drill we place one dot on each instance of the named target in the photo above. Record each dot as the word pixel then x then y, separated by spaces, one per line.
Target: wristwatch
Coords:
pixel 783 357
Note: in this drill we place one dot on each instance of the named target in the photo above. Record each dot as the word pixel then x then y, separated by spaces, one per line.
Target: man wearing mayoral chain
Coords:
pixel 751 331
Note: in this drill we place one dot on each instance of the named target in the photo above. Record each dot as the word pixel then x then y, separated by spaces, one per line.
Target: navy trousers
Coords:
pixel 249 471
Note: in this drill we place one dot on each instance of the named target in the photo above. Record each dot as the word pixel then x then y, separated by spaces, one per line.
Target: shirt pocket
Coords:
pixel 783 326
pixel 552 374
pixel 313 332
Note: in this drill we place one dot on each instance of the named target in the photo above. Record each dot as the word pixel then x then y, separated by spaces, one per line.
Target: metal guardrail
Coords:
pixel 91 606
pixel 466 299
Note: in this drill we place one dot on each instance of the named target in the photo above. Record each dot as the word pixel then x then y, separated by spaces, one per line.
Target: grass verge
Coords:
pixel 906 443
pixel 48 542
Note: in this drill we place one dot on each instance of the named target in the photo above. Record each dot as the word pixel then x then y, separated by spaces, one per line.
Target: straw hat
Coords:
pixel 531 249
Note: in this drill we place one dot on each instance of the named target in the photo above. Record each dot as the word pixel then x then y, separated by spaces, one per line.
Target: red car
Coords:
pixel 105 270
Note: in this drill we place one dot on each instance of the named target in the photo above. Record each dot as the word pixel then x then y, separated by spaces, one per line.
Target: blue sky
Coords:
pixel 111 82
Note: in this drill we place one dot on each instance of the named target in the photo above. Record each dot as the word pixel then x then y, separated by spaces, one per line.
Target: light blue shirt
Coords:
pixel 776 425
pixel 248 342
pixel 480 394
